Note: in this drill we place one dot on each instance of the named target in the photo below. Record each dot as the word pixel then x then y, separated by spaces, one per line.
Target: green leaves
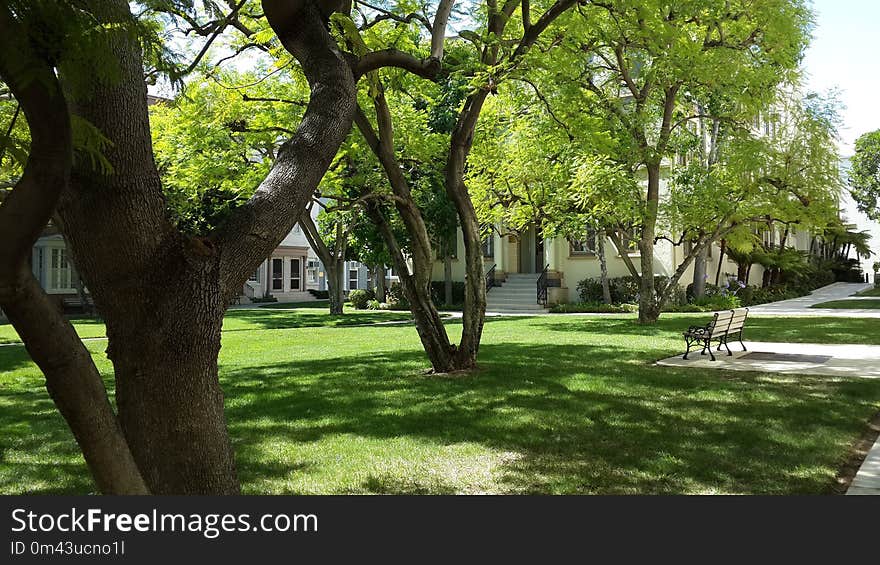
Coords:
pixel 864 176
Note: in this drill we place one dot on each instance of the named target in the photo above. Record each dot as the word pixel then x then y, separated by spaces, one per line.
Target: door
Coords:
pixel 295 274
pixel 277 274
pixel 539 251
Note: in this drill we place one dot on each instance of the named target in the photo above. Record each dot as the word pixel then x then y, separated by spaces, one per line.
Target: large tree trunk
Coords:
pixel 167 388
pixel 649 307
pixel 417 289
pixel 603 266
pixel 74 384
pixel 163 295
pixel 72 380
pixel 474 308
pixel 416 284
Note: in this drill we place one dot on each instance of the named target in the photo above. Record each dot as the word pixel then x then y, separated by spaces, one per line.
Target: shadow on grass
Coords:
pixel 592 415
pixel 251 319
pixel 606 426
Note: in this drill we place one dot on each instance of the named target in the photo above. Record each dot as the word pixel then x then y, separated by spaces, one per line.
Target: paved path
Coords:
pixel 867 480
pixel 801 306
pixel 790 358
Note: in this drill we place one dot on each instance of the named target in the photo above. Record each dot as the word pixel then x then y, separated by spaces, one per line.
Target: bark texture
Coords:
pixel 162 294
pixel 72 380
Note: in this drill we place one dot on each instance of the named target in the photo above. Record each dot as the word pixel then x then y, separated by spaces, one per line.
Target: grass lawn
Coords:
pixel 247 319
pixel 847 304
pixel 870 292
pixel 561 405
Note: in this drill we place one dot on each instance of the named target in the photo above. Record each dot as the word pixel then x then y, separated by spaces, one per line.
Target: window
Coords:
pixel 60 272
pixel 352 279
pixel 277 274
pixel 255 276
pixel 312 272
pixel 585 246
pixel 629 242
pixel 489 246
pixel 295 274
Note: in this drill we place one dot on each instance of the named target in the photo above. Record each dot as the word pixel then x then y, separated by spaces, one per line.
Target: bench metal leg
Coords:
pixel 729 353
pixel 690 342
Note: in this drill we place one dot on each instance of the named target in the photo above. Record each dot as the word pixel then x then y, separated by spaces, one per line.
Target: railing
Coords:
pixel 542 286
pixel 490 278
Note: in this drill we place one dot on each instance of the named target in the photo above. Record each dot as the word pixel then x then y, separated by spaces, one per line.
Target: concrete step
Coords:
pixel 513 292
pixel 512 302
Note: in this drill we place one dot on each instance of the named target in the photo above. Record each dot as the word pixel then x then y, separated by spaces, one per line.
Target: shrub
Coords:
pixel 396 297
pixel 320 294
pixel 374 305
pixel 594 307
pixel 438 292
pixel 360 298
pixel 718 302
pixel 624 290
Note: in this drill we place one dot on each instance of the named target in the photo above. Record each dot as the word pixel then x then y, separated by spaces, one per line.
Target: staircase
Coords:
pixel 518 295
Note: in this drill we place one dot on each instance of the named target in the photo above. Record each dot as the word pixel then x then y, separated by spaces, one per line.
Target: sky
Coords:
pixel 844 55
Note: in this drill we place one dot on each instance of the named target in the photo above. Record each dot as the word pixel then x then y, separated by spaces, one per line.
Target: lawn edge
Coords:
pixel 858 451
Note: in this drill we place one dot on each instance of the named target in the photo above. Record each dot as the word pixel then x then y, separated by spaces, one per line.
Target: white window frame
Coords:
pixel 60 271
pixel 279 278
pixel 295 274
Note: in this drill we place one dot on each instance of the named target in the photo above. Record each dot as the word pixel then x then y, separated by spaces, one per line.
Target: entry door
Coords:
pixel 295 274
pixel 539 251
pixel 277 274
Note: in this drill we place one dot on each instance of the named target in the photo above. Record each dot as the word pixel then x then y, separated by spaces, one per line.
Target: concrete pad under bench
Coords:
pixel 789 358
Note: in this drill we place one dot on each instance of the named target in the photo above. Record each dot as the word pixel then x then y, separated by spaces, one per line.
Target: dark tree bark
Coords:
pixel 416 283
pixel 72 380
pixel 444 356
pixel 162 294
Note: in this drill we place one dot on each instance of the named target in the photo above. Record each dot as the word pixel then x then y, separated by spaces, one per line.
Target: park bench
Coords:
pixel 725 325
pixel 74 303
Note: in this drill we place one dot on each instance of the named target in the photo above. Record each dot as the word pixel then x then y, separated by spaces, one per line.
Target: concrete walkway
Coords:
pixel 801 306
pixel 861 361
pixel 867 480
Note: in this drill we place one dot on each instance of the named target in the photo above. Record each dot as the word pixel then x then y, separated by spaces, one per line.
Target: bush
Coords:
pixel 374 305
pixel 438 292
pixel 624 290
pixel 718 302
pixel 594 307
pixel 396 297
pixel 320 294
pixel 360 298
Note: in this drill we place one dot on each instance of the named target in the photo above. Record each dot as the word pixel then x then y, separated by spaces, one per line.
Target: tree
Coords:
pixel 161 291
pixel 643 65
pixel 864 176
pixel 498 49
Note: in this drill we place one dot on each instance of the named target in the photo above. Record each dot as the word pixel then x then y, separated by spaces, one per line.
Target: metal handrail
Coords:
pixel 542 286
pixel 490 278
